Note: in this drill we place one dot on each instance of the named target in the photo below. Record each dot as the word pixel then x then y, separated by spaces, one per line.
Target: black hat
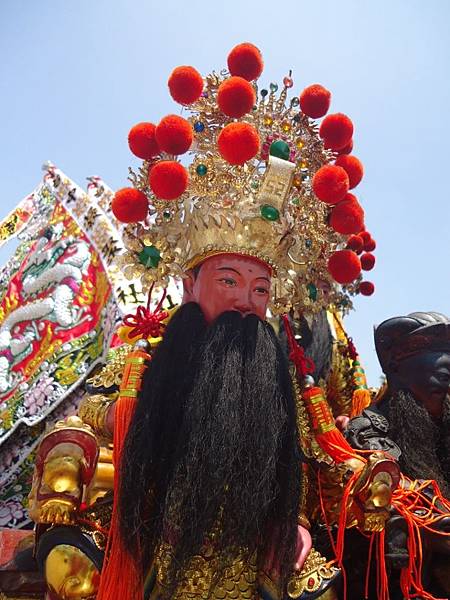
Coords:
pixel 401 337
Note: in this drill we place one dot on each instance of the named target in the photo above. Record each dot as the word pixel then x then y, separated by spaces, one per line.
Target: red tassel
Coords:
pixel 121 577
pixel 327 435
pixel 361 398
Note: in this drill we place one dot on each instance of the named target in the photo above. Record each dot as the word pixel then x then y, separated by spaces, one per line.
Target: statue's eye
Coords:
pixel 262 290
pixel 443 377
pixel 228 281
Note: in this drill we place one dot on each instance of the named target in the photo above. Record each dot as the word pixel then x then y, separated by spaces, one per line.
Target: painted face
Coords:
pixel 427 375
pixel 230 282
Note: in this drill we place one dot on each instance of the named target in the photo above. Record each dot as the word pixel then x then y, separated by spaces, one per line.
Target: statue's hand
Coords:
pixel 304 545
pixel 65 463
pixel 373 492
pixel 341 422
pixel 57 511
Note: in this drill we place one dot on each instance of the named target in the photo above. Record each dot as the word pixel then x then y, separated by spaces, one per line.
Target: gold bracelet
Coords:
pixel 93 411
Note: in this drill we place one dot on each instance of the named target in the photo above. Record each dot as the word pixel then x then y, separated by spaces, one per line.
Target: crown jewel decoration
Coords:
pixel 261 180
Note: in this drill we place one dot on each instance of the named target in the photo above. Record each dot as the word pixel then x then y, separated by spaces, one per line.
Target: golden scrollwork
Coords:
pixel 316 573
pixel 111 374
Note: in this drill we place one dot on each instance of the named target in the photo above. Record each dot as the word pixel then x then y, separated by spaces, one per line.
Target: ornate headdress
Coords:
pixel 263 180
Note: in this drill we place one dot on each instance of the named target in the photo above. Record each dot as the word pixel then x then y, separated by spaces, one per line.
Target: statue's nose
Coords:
pixel 243 305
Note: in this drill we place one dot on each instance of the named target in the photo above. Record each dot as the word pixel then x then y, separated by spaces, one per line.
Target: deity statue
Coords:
pixel 410 418
pixel 414 353
pixel 204 451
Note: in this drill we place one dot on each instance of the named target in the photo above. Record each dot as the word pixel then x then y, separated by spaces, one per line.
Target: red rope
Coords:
pixel 146 323
pixel 304 365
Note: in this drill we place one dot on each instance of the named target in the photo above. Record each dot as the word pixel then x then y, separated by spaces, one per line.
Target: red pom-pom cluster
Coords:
pixel 238 143
pixel 245 60
pixel 336 131
pixel 355 243
pixel 185 85
pixel 344 266
pixel 347 216
pixel 315 101
pixel 142 141
pixel 168 179
pixel 352 166
pixel 367 261
pixel 174 134
pixel 366 288
pixel 236 97
pixel 129 205
pixel 369 243
pixel 330 184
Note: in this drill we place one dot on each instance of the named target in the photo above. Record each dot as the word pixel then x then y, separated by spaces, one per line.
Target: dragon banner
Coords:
pixel 60 301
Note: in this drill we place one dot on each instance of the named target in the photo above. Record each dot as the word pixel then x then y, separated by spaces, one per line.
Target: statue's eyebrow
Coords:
pixel 237 272
pixel 227 269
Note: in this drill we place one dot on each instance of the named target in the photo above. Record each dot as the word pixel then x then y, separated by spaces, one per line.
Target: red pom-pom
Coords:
pixel 174 134
pixel 315 101
pixel 245 60
pixel 168 179
pixel 142 141
pixel 353 167
pixel 366 288
pixel 347 217
pixel 367 261
pixel 355 243
pixel 346 149
pixel 336 131
pixel 238 142
pixel 129 205
pixel 185 85
pixel 344 266
pixel 330 184
pixel 236 97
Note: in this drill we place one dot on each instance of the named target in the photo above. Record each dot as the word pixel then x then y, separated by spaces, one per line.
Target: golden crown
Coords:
pixel 260 182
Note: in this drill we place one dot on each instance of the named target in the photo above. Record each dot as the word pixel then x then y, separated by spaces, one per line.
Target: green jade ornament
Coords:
pixel 149 256
pixel 280 149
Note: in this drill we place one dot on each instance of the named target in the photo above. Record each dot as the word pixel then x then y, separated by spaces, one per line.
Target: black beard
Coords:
pixel 425 445
pixel 213 446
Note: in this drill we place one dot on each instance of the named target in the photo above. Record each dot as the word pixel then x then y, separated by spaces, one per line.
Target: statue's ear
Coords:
pixel 393 366
pixel 188 287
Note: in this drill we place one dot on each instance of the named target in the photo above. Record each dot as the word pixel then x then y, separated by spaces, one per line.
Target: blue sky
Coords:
pixel 75 76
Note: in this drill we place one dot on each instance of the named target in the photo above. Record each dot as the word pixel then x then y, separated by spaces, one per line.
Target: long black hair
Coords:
pixel 212 453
